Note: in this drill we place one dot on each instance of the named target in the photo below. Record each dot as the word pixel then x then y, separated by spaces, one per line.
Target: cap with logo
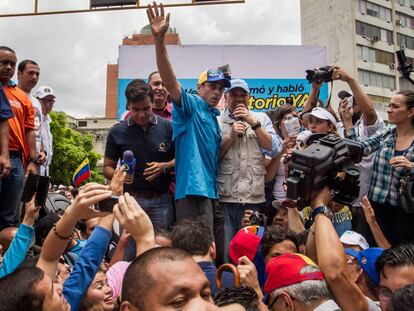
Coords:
pixel 367 259
pixel 44 91
pixel 213 75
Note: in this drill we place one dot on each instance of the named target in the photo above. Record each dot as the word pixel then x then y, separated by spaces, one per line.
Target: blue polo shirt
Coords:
pixel 153 144
pixel 6 111
pixel 197 138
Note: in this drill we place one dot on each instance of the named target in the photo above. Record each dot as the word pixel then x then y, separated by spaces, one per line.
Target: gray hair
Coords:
pixel 307 292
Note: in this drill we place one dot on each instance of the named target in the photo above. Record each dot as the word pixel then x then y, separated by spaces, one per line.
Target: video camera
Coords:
pixel 318 166
pixel 323 74
pixel 404 66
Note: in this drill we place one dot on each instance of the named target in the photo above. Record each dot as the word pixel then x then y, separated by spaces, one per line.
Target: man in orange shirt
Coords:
pixel 22 144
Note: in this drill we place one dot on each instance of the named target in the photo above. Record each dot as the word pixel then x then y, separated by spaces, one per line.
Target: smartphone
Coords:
pixel 30 187
pixel 108 204
pixel 350 101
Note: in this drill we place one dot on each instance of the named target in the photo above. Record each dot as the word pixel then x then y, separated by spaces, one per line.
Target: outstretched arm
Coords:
pixel 159 26
pixel 362 99
pixel 58 238
pixel 331 259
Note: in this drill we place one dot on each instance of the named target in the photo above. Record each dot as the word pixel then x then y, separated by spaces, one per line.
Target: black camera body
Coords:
pixel 323 74
pixel 318 165
pixel 258 219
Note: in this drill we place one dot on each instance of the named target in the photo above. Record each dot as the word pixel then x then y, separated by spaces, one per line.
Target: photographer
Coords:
pixel 359 118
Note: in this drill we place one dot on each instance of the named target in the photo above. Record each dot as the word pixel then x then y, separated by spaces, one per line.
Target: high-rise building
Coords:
pixel 362 37
pixel 143 38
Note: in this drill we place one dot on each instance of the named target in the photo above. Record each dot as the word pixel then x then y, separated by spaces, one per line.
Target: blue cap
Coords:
pixel 367 259
pixel 238 83
pixel 213 75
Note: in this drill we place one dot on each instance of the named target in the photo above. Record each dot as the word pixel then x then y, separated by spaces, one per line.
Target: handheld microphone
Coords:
pixel 128 161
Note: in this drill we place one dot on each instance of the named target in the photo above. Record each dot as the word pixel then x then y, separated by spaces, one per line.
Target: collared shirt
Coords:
pixel 154 144
pixel 385 179
pixel 47 143
pixel 363 132
pixel 277 144
pixel 166 113
pixel 23 119
pixel 328 305
pixel 6 111
pixel 197 139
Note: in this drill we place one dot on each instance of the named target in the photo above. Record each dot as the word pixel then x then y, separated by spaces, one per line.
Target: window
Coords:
pixel 82 123
pixel 403 40
pixel 372 9
pixel 401 2
pixel 404 20
pixel 376 79
pixel 371 31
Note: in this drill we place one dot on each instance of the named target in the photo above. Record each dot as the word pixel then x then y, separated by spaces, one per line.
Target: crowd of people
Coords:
pixel 195 215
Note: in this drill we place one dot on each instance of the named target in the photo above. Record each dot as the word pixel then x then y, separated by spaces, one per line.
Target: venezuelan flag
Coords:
pixel 82 173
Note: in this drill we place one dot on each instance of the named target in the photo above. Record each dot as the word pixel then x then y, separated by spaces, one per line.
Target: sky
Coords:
pixel 73 50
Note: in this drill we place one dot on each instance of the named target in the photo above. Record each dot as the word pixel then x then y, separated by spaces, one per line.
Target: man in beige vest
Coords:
pixel 246 137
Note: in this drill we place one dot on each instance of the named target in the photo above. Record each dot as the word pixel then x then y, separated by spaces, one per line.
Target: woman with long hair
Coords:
pixel 393 161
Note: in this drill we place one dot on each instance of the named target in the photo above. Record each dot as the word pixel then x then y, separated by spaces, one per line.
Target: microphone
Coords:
pixel 128 161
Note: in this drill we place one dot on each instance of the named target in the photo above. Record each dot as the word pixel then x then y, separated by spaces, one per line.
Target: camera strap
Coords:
pixel 328 103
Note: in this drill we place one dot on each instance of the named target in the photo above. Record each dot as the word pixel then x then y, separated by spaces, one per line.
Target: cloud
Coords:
pixel 74 49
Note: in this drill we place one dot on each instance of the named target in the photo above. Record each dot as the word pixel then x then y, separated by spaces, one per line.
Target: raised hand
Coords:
pixel 90 194
pixel 158 21
pixel 117 181
pixel 31 212
pixel 133 218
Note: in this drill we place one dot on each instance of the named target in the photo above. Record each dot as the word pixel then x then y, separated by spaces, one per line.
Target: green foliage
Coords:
pixel 70 148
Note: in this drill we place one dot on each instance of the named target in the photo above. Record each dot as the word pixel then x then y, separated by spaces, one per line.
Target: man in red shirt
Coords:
pixel 161 103
pixel 22 144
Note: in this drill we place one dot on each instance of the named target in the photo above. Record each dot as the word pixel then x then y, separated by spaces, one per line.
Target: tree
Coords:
pixel 70 148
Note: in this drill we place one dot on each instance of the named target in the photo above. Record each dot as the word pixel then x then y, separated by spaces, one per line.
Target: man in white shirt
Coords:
pixel 47 98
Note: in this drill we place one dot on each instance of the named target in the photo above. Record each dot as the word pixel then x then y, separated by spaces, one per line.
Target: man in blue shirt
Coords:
pixel 196 132
pixel 194 237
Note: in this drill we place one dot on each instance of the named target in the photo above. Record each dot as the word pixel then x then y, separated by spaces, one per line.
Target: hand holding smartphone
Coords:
pixel 108 204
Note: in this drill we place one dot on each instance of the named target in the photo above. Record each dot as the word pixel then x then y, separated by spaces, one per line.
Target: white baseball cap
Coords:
pixel 353 238
pixel 44 91
pixel 320 113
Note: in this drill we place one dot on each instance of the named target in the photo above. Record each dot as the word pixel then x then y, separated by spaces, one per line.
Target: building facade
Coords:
pixel 362 36
pixel 143 38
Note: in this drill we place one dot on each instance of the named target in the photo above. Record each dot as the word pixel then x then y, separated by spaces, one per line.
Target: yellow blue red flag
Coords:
pixel 82 173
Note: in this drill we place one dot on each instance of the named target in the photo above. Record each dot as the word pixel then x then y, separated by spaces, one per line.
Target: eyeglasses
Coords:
pixel 270 305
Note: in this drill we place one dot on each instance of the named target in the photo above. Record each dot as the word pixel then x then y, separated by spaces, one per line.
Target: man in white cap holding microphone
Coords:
pixel 47 98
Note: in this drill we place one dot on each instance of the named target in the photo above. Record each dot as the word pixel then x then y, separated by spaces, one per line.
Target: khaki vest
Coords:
pixel 241 173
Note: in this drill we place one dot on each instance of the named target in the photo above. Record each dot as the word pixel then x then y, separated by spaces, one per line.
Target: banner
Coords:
pixel 272 72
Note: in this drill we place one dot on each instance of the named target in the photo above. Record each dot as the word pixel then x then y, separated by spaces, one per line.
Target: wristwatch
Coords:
pixel 323 209
pixel 256 125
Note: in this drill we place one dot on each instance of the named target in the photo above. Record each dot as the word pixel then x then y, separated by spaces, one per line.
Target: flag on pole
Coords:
pixel 82 173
